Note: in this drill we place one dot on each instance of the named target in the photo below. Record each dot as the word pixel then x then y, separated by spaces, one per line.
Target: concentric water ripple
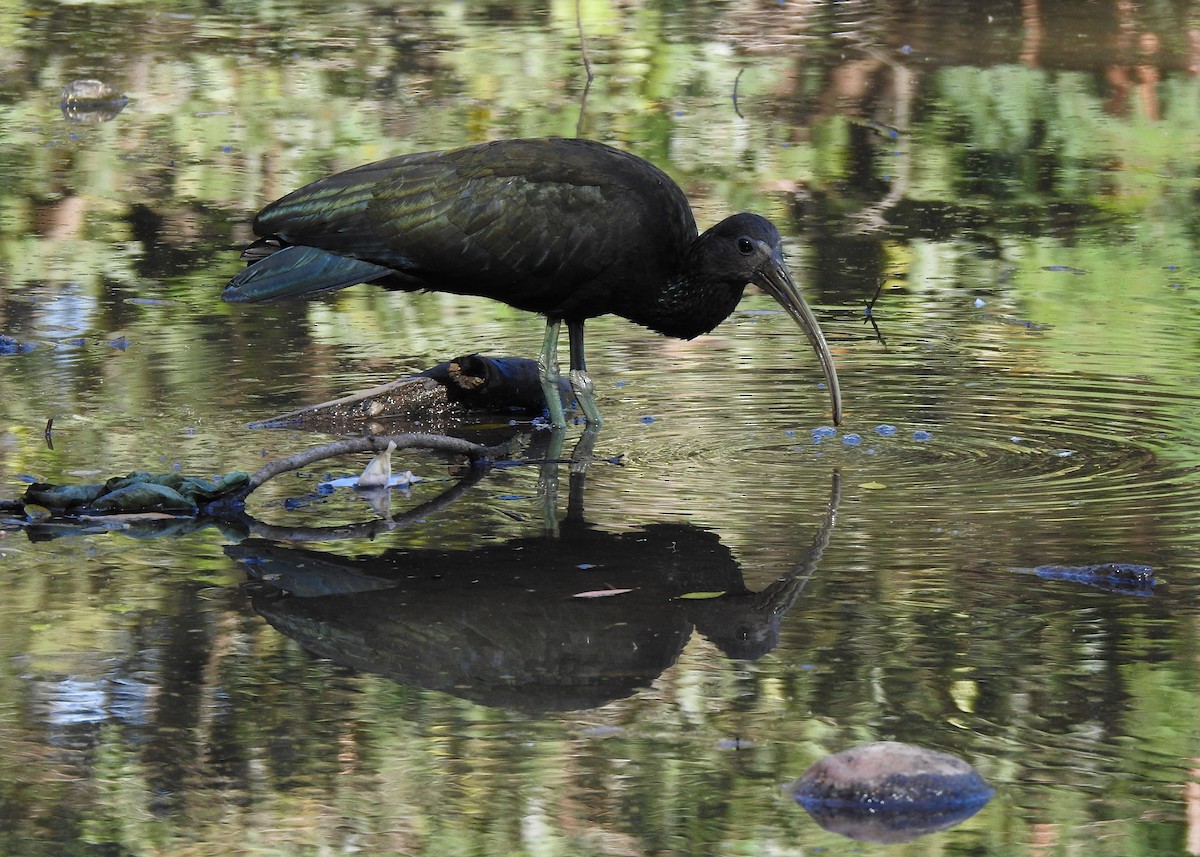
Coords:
pixel 1045 445
pixel 1102 457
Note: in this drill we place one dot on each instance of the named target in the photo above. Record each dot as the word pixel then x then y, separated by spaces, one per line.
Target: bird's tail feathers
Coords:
pixel 299 272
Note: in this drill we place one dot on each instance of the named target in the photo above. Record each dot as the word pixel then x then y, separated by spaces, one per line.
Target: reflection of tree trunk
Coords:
pixel 1044 839
pixel 63 221
pixel 172 756
pixel 1191 796
pixel 904 83
pixel 1031 25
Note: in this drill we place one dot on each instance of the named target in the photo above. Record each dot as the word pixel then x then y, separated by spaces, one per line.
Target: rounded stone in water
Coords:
pixel 890 792
pixel 90 90
pixel 89 100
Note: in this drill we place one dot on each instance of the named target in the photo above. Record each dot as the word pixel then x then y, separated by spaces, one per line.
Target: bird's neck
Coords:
pixel 692 302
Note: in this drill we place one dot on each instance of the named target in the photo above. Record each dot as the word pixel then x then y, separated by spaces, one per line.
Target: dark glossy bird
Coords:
pixel 571 229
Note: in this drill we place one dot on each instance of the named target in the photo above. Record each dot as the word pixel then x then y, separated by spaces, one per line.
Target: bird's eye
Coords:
pixel 745 246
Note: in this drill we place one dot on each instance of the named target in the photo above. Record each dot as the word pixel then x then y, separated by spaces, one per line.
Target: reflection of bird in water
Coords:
pixel 571 229
pixel 499 625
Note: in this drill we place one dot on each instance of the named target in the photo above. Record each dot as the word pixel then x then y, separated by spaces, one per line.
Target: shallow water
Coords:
pixel 1016 180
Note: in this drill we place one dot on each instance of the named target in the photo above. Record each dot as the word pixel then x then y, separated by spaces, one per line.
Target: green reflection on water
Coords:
pixel 144 707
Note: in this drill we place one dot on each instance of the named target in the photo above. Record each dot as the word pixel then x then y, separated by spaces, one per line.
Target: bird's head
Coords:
pixel 747 248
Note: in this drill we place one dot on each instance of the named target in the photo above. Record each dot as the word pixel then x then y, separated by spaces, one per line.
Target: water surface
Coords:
pixel 1017 182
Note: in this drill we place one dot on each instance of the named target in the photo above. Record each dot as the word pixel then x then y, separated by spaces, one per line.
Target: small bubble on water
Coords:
pixel 647 420
pixel 885 430
pixel 852 439
pixel 980 302
pixel 921 434
pixel 1062 453
pixel 824 431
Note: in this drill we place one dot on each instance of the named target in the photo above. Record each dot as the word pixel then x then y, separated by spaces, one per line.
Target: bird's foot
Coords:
pixel 585 395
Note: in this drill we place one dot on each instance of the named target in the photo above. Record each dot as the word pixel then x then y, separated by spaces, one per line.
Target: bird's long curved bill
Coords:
pixel 777 282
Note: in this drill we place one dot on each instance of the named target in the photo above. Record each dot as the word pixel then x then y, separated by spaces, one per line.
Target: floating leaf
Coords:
pixel 871 486
pixel 36 512
pixel 600 593
pixel 699 596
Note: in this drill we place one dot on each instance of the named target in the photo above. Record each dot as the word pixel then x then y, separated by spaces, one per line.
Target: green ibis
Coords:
pixel 571 229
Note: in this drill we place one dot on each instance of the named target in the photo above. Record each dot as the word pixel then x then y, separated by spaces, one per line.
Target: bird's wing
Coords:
pixel 494 215
pixel 507 228
pixel 334 214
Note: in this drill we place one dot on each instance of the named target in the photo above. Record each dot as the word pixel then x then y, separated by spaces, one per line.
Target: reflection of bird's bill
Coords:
pixel 777 282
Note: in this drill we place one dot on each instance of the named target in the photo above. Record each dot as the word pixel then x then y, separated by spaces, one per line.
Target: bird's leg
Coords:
pixel 581 381
pixel 548 373
pixel 547 484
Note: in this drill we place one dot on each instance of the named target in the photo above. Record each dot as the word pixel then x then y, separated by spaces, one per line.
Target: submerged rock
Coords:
pixel 137 492
pixel 8 345
pixel 890 792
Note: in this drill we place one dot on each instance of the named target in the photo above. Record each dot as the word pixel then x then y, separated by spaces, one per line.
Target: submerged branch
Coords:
pixel 587 67
pixel 583 48
pixel 374 443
